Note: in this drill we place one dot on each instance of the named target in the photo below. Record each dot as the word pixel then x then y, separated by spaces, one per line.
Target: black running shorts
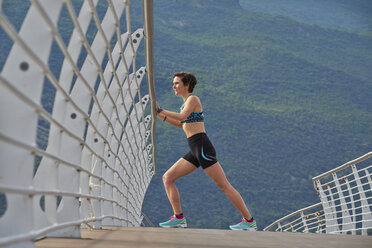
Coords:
pixel 202 152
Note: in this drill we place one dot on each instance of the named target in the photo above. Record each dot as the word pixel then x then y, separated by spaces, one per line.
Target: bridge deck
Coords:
pixel 158 237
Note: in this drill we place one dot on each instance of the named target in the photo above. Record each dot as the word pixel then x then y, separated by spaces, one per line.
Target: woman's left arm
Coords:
pixel 190 105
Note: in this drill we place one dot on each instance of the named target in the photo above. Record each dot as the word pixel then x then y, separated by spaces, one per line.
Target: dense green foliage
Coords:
pixel 284 101
pixel 354 14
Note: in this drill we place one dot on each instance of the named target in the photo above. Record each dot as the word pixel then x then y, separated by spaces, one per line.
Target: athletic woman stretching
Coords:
pixel 202 153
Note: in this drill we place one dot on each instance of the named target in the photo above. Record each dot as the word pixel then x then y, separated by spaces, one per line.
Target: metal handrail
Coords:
pixel 114 174
pixel 329 206
pixel 67 55
pixel 291 215
pixel 350 163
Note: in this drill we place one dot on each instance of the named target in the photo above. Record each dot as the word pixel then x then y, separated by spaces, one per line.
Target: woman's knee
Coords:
pixel 224 186
pixel 167 179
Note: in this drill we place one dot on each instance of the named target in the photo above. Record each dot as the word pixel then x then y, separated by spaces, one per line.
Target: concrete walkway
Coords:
pixel 200 238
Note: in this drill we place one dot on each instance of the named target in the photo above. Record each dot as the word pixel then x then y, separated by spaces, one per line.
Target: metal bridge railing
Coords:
pixel 77 145
pixel 346 202
pixel 309 219
pixel 346 196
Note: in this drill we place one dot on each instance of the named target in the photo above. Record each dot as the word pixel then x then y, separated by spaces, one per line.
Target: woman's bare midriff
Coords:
pixel 193 128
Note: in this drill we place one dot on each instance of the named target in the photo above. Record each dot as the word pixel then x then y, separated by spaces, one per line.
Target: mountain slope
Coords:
pixel 327 13
pixel 284 101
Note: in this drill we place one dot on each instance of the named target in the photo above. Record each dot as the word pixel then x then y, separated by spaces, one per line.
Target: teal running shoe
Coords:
pixel 244 225
pixel 173 222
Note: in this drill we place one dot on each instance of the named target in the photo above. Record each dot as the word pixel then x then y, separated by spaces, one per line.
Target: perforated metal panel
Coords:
pixel 76 120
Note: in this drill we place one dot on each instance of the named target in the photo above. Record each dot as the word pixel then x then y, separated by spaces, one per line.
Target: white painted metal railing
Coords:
pixel 89 159
pixel 346 202
pixel 309 219
pixel 346 195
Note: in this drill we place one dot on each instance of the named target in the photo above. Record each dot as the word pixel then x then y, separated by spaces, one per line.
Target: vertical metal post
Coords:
pixel 366 212
pixel 347 223
pixel 329 210
pixel 304 222
pixel 149 37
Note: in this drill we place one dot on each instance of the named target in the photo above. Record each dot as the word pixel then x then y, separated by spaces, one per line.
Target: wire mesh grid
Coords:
pixel 89 121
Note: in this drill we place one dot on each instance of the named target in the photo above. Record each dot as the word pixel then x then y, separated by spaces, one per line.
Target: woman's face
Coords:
pixel 178 86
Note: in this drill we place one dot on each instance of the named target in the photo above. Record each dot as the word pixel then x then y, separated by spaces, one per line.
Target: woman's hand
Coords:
pixel 158 110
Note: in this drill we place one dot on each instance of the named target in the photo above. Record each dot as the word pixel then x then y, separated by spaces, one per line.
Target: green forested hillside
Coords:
pixel 284 101
pixel 354 14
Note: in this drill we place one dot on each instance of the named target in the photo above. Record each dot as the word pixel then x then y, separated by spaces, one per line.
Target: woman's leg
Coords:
pixel 218 175
pixel 181 168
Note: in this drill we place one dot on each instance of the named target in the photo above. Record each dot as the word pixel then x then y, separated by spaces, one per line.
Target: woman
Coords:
pixel 202 153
